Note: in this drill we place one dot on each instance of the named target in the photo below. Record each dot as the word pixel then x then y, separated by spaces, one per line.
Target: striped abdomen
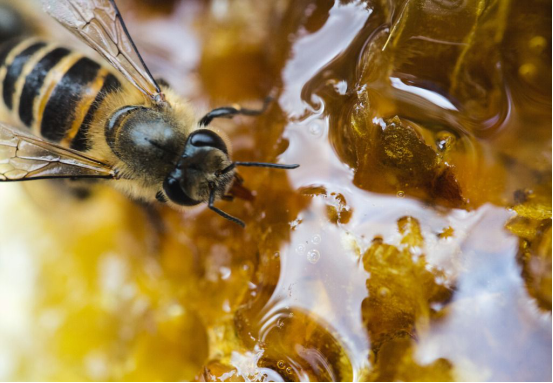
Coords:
pixel 53 91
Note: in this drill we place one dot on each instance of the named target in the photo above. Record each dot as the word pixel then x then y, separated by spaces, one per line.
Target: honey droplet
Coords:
pixel 538 44
pixel 316 128
pixel 316 239
pixel 313 256
pixel 527 71
pixel 383 292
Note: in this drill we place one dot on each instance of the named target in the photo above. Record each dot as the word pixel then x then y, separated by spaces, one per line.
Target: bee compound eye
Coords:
pixel 175 193
pixel 207 138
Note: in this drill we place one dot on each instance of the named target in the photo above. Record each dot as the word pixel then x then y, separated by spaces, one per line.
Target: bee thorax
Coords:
pixel 145 140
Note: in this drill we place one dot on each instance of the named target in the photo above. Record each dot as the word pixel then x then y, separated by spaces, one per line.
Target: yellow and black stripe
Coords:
pixel 53 91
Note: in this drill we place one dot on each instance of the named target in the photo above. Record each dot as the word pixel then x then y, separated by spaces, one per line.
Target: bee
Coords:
pixel 82 119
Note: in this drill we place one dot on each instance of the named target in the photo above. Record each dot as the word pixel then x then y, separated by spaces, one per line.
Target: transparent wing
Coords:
pixel 100 25
pixel 24 157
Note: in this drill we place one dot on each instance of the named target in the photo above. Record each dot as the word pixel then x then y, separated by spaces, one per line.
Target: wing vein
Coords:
pixel 25 157
pixel 100 25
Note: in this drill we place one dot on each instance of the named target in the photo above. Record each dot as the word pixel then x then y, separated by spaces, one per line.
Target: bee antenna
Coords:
pixel 220 212
pixel 266 165
pixel 259 165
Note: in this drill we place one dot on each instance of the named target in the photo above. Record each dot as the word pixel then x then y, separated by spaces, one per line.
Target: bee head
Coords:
pixel 203 172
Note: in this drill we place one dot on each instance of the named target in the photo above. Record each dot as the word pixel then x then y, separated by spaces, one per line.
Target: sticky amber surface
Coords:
pixel 413 243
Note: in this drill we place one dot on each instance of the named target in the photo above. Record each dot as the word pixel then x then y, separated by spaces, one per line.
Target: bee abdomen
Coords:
pixel 62 104
pixel 34 82
pixel 14 70
pixel 52 90
pixel 81 141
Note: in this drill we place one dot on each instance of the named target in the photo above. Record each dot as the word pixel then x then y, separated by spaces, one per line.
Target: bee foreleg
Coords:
pixel 79 189
pixel 231 111
pixel 156 225
pixel 161 81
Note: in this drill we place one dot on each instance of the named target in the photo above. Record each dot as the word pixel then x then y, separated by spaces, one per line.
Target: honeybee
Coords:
pixel 85 120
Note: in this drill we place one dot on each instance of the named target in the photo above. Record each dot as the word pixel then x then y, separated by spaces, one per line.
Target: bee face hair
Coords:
pixel 199 172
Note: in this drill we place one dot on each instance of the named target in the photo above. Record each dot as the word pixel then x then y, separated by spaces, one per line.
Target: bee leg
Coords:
pixel 80 192
pixel 162 82
pixel 78 189
pixel 12 23
pixel 228 197
pixel 231 111
pixel 157 226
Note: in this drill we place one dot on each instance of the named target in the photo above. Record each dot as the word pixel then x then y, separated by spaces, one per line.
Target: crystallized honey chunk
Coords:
pixel 535 204
pixel 402 148
pixel 533 227
pixel 410 229
pixel 535 258
pixel 400 349
pixel 396 157
pixel 338 211
pixel 400 288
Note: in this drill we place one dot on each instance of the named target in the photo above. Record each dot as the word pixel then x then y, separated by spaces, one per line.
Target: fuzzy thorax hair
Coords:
pixel 140 185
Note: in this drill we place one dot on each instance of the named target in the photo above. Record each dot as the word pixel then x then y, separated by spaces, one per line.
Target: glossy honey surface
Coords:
pixel 413 242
